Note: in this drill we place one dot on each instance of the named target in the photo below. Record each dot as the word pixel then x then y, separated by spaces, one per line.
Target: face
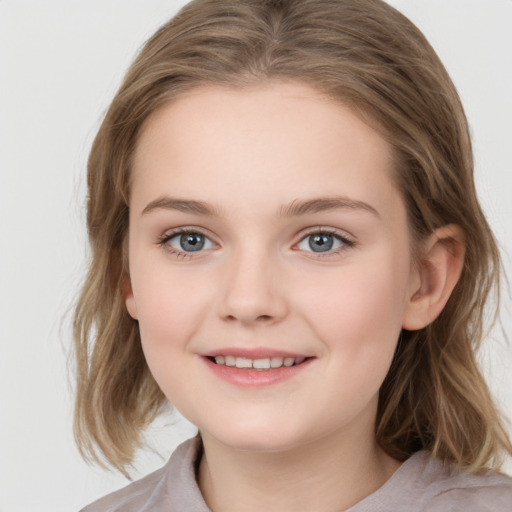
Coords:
pixel 269 263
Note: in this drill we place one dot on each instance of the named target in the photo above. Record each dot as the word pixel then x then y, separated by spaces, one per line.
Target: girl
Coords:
pixel 287 246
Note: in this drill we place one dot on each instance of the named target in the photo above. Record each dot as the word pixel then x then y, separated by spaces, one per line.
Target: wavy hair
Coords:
pixel 368 56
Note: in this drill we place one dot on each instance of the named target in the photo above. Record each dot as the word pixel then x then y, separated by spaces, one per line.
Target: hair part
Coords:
pixel 368 56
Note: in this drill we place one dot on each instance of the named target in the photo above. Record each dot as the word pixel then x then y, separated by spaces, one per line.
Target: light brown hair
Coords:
pixel 368 56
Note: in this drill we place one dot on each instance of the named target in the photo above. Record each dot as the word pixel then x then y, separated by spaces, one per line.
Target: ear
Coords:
pixel 129 300
pixel 438 271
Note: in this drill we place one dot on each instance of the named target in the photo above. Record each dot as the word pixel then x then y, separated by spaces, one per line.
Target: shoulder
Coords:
pixel 442 487
pixel 133 496
pixel 171 488
pixel 458 491
pixel 426 484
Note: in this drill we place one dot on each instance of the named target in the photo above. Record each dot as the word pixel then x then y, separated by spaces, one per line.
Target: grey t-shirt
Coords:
pixel 421 484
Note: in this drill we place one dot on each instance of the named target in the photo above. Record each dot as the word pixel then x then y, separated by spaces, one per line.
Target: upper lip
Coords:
pixel 253 353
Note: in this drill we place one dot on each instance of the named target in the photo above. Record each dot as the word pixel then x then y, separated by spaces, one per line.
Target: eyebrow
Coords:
pixel 295 208
pixel 181 205
pixel 323 204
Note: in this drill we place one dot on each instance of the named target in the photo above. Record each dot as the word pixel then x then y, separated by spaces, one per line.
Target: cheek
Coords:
pixel 359 312
pixel 170 307
pixel 169 316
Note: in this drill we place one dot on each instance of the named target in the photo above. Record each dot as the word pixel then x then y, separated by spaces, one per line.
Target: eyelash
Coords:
pixel 164 240
pixel 347 242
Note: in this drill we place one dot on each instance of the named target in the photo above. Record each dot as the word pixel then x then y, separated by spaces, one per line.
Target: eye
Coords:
pixel 322 242
pixel 189 241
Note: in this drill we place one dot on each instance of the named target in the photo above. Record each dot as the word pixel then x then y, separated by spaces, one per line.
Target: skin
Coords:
pixel 248 156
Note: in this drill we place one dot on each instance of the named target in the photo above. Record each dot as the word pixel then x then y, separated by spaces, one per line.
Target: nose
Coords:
pixel 253 291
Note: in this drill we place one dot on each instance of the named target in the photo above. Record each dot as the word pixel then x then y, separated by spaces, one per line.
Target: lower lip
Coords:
pixel 249 377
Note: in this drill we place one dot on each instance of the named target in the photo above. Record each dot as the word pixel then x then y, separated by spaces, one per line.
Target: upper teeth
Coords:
pixel 259 364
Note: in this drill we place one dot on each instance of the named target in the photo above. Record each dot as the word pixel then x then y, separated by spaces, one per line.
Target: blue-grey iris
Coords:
pixel 321 242
pixel 191 242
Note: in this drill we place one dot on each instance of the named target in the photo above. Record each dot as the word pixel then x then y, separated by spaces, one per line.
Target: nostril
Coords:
pixel 264 318
pixel 259 318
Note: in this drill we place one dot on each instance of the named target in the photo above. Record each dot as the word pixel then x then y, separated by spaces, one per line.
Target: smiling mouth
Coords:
pixel 263 364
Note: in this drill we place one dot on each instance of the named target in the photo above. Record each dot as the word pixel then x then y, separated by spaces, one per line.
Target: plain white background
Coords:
pixel 60 64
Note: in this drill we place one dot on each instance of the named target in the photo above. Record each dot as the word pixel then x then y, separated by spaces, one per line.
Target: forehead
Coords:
pixel 263 140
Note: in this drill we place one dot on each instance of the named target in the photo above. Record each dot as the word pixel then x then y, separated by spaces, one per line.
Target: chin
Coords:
pixel 258 438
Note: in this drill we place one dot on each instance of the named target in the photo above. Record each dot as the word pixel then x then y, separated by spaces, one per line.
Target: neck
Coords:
pixel 330 474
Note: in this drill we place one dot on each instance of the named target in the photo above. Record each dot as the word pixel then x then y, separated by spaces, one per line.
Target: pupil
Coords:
pixel 192 242
pixel 321 243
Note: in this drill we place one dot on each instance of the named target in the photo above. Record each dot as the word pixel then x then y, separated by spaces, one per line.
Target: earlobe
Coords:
pixel 129 299
pixel 438 271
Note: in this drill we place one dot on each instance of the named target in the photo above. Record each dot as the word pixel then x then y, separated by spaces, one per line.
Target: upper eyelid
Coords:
pixel 342 234
pixel 169 233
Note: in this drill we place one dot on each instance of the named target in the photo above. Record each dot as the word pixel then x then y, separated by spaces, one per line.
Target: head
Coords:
pixel 364 56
